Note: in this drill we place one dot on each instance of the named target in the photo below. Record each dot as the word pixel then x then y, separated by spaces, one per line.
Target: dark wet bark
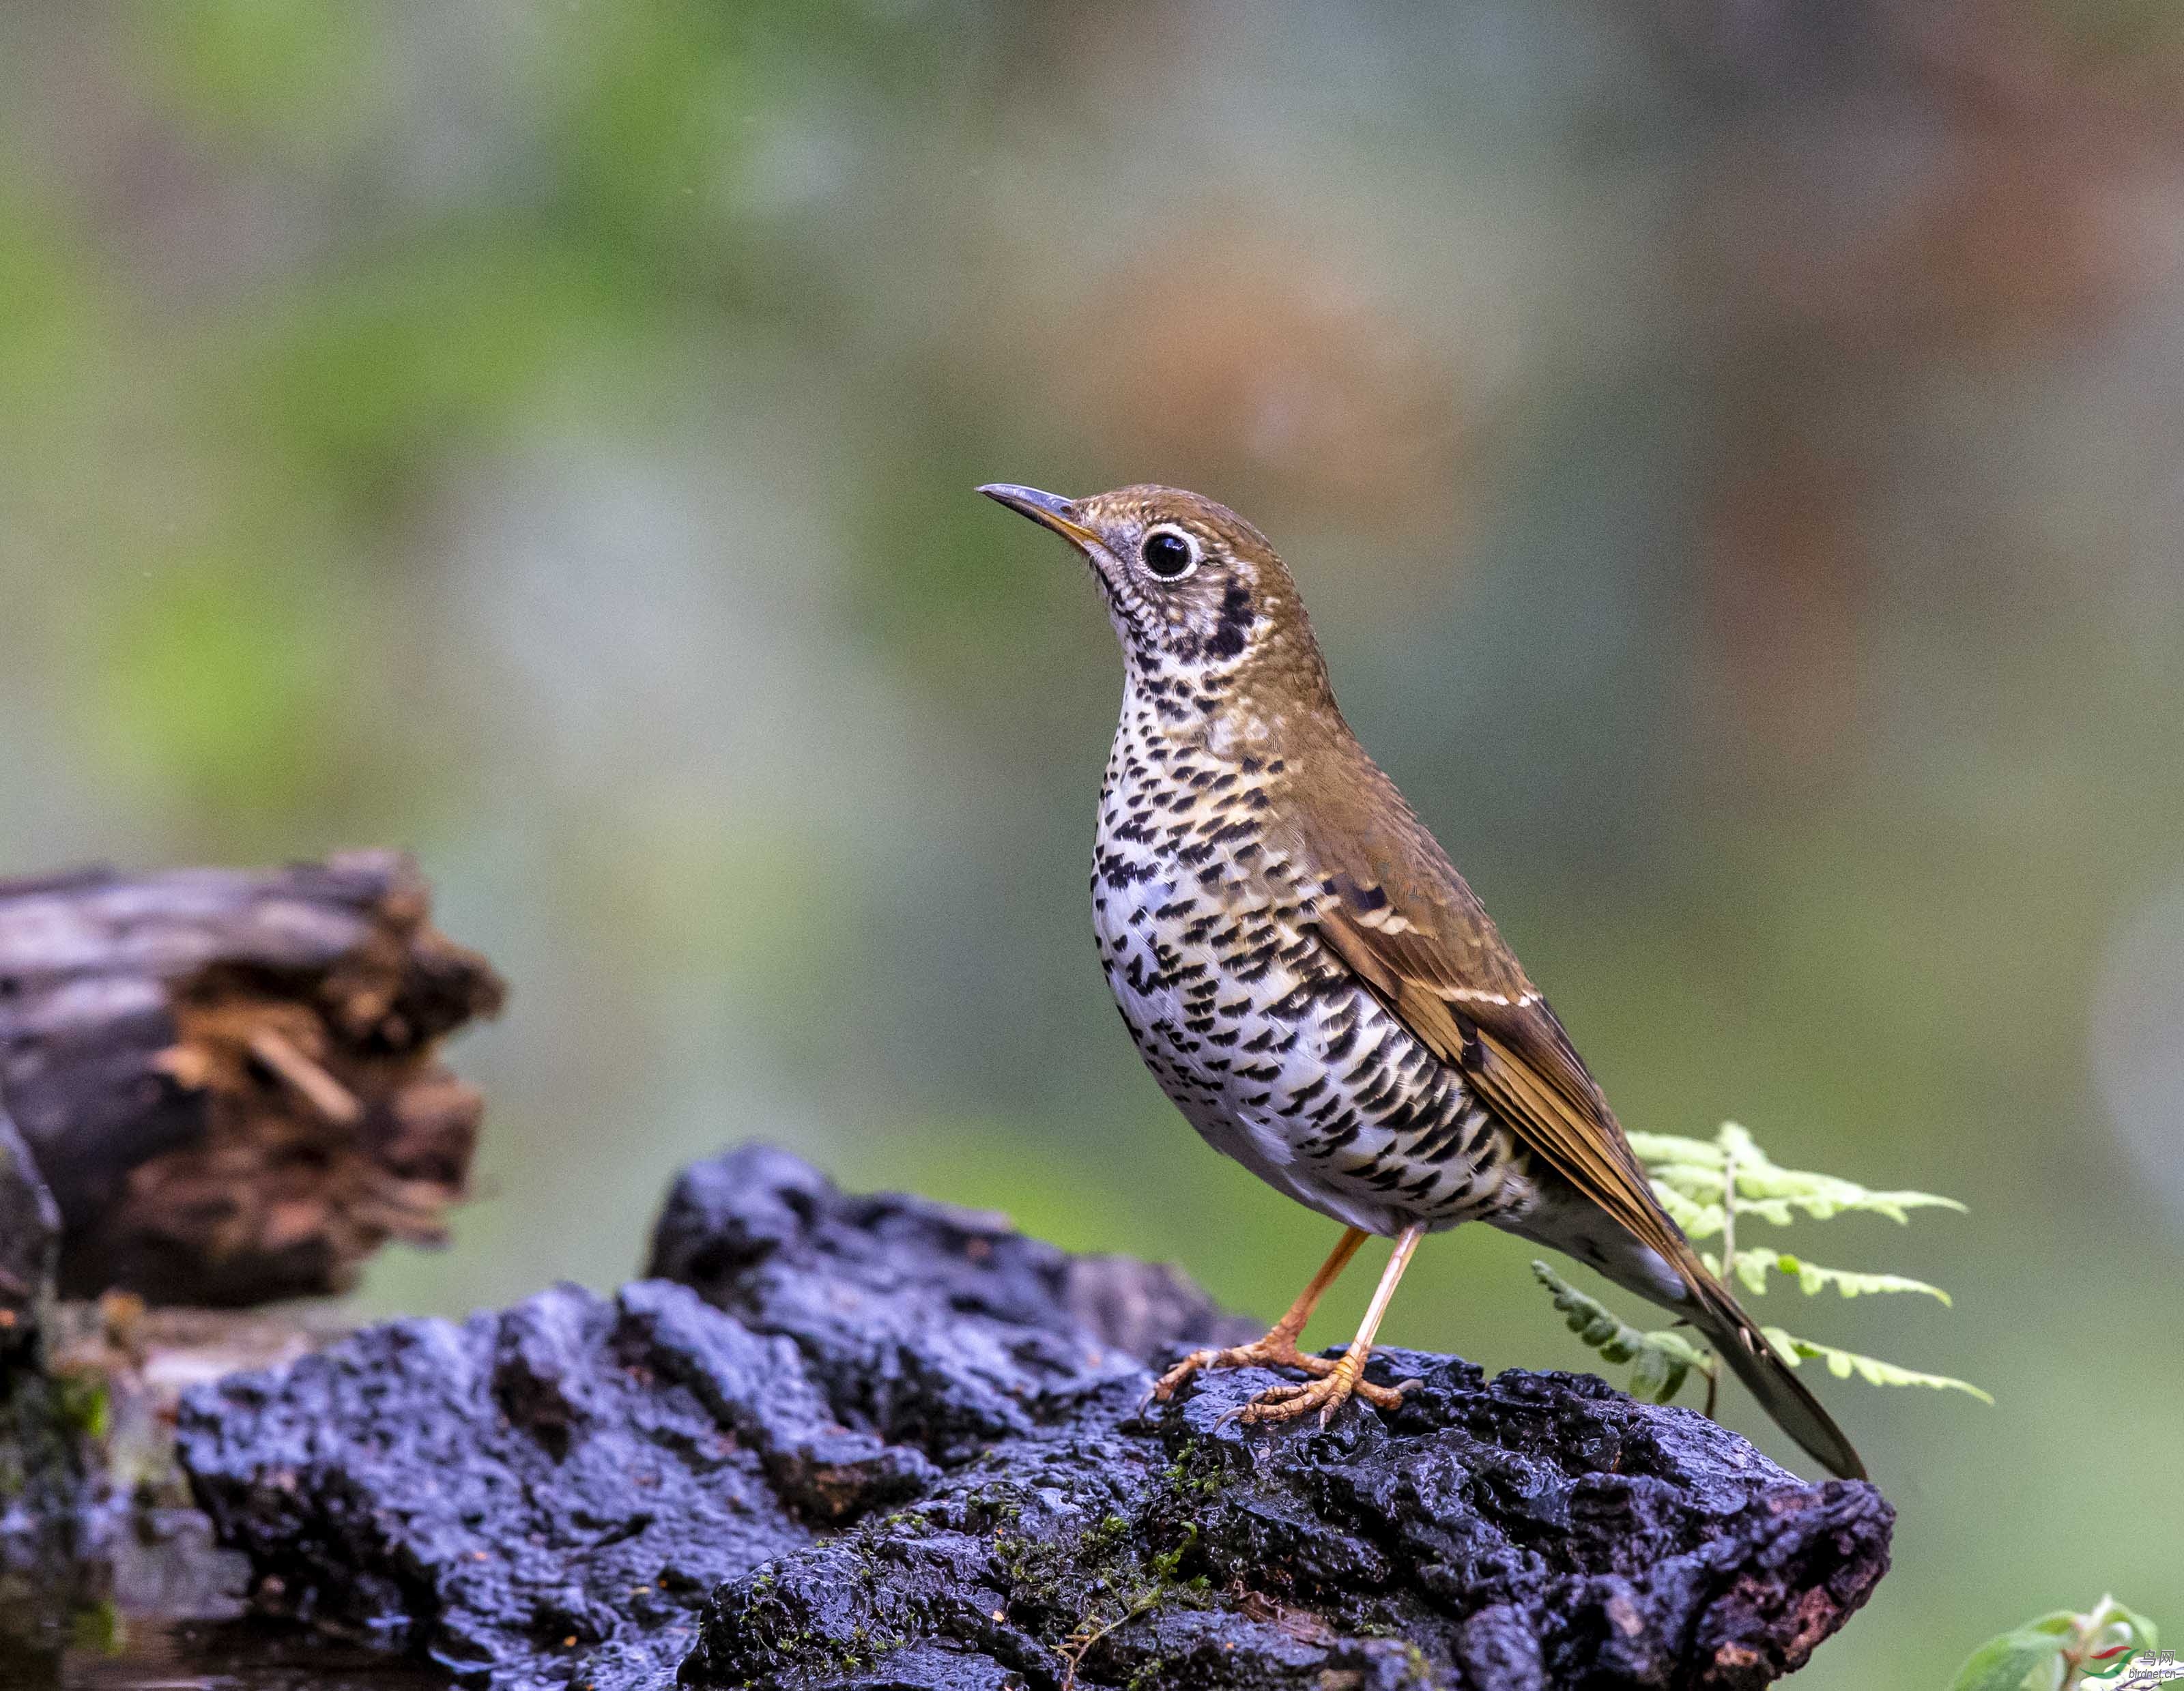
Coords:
pixel 230 1080
pixel 29 1245
pixel 875 1442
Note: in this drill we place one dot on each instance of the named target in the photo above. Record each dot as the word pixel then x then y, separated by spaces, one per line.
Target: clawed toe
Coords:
pixel 1165 1388
pixel 1386 1397
pixel 1326 1394
pixel 1288 1403
pixel 1334 1383
pixel 1276 1351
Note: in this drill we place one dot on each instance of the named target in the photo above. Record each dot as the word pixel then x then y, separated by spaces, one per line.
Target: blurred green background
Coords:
pixel 1733 451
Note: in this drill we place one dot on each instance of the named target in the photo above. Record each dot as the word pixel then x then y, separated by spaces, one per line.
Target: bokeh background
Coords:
pixel 1733 451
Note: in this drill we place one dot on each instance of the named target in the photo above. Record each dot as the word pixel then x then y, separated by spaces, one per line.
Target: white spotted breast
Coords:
pixel 1269 1046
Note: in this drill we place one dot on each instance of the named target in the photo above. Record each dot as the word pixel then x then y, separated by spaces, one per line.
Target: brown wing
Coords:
pixel 1406 924
pixel 1439 963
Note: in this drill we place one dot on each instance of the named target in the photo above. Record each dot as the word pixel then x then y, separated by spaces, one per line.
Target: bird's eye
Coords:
pixel 1169 554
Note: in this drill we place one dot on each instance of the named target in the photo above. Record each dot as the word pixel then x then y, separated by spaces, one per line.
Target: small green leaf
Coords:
pixel 1698 1221
pixel 2007 1663
pixel 1661 1362
pixel 1752 1267
pixel 2149 1635
pixel 1842 1364
pixel 2043 1655
pixel 2108 1623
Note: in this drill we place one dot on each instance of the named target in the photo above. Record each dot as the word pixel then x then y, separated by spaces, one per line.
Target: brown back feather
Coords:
pixel 1410 928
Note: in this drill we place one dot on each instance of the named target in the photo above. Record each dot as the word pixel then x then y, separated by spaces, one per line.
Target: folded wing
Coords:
pixel 1410 929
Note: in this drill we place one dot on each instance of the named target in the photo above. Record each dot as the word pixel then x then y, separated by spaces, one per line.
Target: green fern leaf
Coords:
pixel 1698 1221
pixel 1753 1266
pixel 1688 1177
pixel 1691 1177
pixel 1842 1364
pixel 1671 1147
pixel 1661 1362
pixel 1769 1190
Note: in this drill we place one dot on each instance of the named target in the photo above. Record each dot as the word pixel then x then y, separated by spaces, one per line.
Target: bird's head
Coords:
pixel 1197 596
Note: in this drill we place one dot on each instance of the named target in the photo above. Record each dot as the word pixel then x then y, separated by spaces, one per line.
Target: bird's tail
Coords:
pixel 1781 1394
pixel 1664 1269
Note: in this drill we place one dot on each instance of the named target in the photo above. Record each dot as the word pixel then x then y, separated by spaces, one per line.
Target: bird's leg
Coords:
pixel 1278 1348
pixel 1327 1394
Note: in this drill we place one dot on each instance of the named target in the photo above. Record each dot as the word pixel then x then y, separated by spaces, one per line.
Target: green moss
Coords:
pixel 1164 1565
pixel 99 1630
pixel 1199 1471
pixel 85 1404
pixel 43 1456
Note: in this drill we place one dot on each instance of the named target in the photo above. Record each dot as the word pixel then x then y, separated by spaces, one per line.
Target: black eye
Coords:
pixel 1168 554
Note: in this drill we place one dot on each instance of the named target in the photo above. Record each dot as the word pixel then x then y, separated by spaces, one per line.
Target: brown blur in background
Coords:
pixel 1733 451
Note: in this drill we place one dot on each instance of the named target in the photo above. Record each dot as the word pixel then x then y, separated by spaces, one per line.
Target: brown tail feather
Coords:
pixel 1712 1309
pixel 1780 1393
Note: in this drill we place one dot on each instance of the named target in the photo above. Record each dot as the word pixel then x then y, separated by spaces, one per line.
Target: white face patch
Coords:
pixel 1184 606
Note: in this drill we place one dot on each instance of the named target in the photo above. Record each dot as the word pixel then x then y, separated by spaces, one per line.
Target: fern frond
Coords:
pixel 1660 1361
pixel 1698 1221
pixel 1842 1364
pixel 1692 1178
pixel 1752 1268
pixel 1671 1147
pixel 1761 1182
pixel 1693 1170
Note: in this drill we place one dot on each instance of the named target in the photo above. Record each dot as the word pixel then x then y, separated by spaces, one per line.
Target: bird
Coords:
pixel 1314 985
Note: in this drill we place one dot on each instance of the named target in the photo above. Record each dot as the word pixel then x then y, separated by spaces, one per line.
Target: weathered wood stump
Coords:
pixel 864 1442
pixel 230 1080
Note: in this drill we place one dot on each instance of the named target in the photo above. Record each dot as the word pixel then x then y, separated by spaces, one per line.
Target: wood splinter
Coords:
pixel 309 1081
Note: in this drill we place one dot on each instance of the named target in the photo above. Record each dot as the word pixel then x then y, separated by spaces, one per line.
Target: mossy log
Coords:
pixel 230 1080
pixel 842 1443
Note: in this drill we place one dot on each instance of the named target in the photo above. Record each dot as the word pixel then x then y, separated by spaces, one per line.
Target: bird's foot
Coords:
pixel 1278 1350
pixel 1342 1381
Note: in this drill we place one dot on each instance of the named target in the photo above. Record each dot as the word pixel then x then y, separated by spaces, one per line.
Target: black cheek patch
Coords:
pixel 1236 616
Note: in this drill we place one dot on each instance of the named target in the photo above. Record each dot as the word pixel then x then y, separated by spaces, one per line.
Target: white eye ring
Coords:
pixel 1173 561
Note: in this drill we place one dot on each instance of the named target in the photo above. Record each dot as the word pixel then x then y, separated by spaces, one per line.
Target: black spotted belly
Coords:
pixel 1280 1058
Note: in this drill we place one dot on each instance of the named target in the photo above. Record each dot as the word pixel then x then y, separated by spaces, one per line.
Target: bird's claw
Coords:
pixel 1336 1383
pixel 1276 1349
pixel 1326 1394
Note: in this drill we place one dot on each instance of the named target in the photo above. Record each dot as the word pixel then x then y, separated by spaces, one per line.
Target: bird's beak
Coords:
pixel 1048 510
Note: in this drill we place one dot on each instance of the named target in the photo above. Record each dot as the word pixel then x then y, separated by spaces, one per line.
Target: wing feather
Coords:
pixel 1431 953
pixel 1497 1028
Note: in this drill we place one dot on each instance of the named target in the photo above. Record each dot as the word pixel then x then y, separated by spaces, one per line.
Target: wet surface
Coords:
pixel 161 1609
pixel 838 1441
pixel 209 1656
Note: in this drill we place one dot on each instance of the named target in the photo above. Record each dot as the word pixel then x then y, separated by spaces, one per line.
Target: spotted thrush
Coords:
pixel 1312 982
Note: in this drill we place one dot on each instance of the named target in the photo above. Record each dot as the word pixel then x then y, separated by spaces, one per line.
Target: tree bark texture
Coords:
pixel 230 1080
pixel 839 1443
